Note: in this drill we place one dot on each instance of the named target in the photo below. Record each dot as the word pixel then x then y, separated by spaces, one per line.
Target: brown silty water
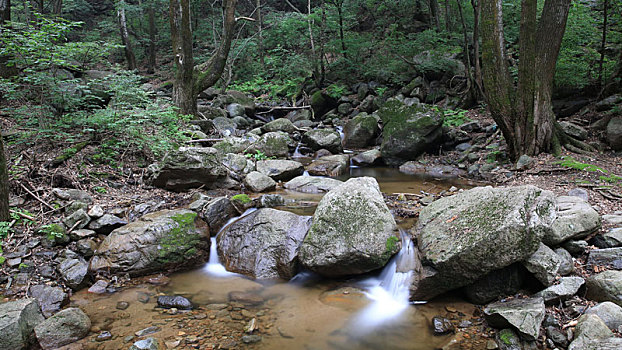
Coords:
pixel 305 313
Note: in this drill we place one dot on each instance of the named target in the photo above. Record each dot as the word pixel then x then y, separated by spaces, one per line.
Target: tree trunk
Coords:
pixel 57 7
pixel 476 59
pixel 191 80
pixel 125 37
pixel 434 13
pixel 152 39
pixel 603 43
pixel 5 16
pixel 260 31
pixel 524 114
pixel 339 5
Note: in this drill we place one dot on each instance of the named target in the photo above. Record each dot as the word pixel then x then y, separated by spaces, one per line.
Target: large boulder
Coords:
pixel 614 133
pixel 280 170
pixel 281 124
pixel 271 144
pixel 321 103
pixel 17 322
pixel 264 244
pixel 605 286
pixel 544 265
pixel 323 139
pixel 311 184
pixel 609 312
pixel 164 239
pixel 49 298
pixel 353 231
pixel 466 236
pixel 329 165
pixel 217 212
pixel 360 131
pixel 590 329
pixel 526 315
pixel 408 130
pixel 233 144
pixel 64 328
pixel 189 167
pixel 258 182
pixel 575 219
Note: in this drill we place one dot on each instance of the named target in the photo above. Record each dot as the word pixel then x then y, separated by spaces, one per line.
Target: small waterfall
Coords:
pixel 389 291
pixel 214 267
pixel 340 131
pixel 305 173
pixel 297 153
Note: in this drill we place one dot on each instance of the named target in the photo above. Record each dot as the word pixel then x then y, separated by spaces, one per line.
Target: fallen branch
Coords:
pixel 37 197
pixel 266 109
pixel 205 140
pixel 27 217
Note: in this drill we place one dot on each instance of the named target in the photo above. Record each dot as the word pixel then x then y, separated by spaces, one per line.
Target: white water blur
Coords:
pixel 340 131
pixel 213 266
pixel 305 173
pixel 297 153
pixel 389 291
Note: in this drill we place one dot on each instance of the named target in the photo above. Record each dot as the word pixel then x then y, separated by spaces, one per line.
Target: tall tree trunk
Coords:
pixel 57 7
pixel 524 114
pixel 434 14
pixel 125 37
pixel 467 56
pixel 476 59
pixel 603 43
pixel 260 31
pixel 5 16
pixel 339 5
pixel 191 80
pixel 152 39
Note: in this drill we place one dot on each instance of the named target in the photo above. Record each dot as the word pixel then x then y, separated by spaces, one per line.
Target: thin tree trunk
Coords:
pixel 5 16
pixel 434 13
pixel 603 43
pixel 447 25
pixel 341 36
pixel 57 7
pixel 260 36
pixel 467 56
pixel 152 39
pixel 125 37
pixel 476 59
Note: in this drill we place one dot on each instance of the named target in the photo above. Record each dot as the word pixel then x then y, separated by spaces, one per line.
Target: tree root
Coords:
pixel 570 143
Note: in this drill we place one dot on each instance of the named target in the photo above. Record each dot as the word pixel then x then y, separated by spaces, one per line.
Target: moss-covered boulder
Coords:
pixel 162 240
pixel 321 103
pixel 360 131
pixel 323 139
pixel 264 244
pixel 353 231
pixel 281 124
pixel 189 167
pixel 271 144
pixel 409 130
pixel 463 237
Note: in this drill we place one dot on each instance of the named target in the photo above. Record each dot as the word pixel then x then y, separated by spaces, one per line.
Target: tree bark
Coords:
pixel 476 59
pixel 5 16
pixel 191 80
pixel 523 113
pixel 152 39
pixel 260 36
pixel 125 37
pixel 603 43
pixel 434 13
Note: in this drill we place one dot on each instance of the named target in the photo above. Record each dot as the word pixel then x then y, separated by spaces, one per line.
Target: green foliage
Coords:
pixel 336 90
pixel 100 189
pixel 258 155
pixel 53 231
pixel 455 118
pixel 569 162
pixel 19 219
pixel 5 228
pixel 241 198
pixel 612 179
pixel 391 243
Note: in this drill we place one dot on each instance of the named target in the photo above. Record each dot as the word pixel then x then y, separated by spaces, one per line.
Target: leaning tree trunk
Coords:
pixel 523 113
pixel 125 37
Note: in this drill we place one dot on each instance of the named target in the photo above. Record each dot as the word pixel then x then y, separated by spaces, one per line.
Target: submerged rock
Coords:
pixel 466 236
pixel 17 321
pixel 353 231
pixel 174 301
pixel 329 165
pixel 264 244
pixel 164 239
pixel 63 328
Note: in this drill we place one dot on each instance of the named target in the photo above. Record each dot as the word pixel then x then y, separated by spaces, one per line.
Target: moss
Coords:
pixel 241 198
pixel 53 232
pixel 506 336
pixel 178 240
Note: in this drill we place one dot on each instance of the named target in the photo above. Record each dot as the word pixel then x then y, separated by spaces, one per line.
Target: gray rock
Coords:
pixel 73 195
pixel 556 336
pixel 189 167
pixel 525 315
pixel 74 272
pixel 323 139
pixel 605 286
pixel 370 157
pixel 610 313
pixel 613 238
pixel 65 327
pixel 96 212
pixel 75 206
pixel 299 115
pixel 579 192
pixel 164 239
pixel 352 231
pixel 498 283
pixel 614 133
pixel 51 299
pixel 86 247
pixel 507 339
pixel 566 265
pixel 174 301
pixel 441 326
pixel 80 234
pixel 258 182
pixel 280 170
pixel 251 339
pixel 608 103
pixel 107 223
pixel 408 131
pixel 264 244
pixel 271 144
pixel 233 144
pixel 217 212
pixel 238 165
pixel 443 171
pixel 567 287
pixel 610 257
pixel 235 110
pixel 311 184
pixel 146 344
pixel 575 247
pixel 271 200
pixel 148 331
pixel 599 344
pixel 17 321
pixel 614 219
pixel 575 219
pixel 78 220
pixel 360 131
pixel 574 130
pixel 100 287
pixel 465 236
pixel 544 264
pixel 589 329
pixel 329 165
pixel 524 162
pixel 281 124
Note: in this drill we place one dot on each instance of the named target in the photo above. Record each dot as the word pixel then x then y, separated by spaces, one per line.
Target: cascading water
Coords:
pixel 389 291
pixel 214 267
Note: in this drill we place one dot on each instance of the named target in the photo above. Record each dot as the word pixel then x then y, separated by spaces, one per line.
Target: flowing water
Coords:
pixel 308 312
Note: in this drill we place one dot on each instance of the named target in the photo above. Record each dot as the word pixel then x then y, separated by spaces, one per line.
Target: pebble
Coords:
pixel 103 336
pixel 143 297
pixel 147 331
pixel 122 305
pixel 250 339
pixel 174 301
pixel 441 325
pixel 99 287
